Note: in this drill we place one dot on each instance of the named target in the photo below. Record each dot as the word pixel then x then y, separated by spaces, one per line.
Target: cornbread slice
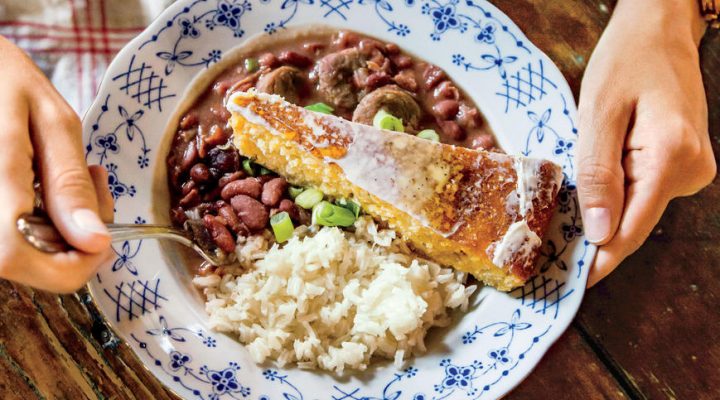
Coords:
pixel 482 213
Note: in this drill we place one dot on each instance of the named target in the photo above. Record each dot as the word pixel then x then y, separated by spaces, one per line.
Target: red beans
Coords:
pixel 187 187
pixel 272 191
pixel 313 47
pixel 406 80
pixel 248 186
pixel 252 212
pixel 190 120
pixel 189 156
pixel 446 90
pixel 446 109
pixel 295 59
pixel 469 117
pixel 221 113
pixel 217 136
pixel 377 79
pixel 200 173
pixel 230 177
pixel 221 87
pixel 346 39
pixel 232 220
pixel 219 233
pixel 289 207
pixel 432 76
pixel 453 130
pixel 190 199
pixel 178 215
pixel 224 160
pixel 268 60
pixel 392 48
pixel 403 61
pixel 483 142
pixel 367 46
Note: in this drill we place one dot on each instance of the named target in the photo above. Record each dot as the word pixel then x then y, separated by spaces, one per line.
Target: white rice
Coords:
pixel 332 299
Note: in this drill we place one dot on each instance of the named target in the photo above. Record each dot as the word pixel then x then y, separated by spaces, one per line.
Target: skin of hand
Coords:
pixel 41 134
pixel 643 126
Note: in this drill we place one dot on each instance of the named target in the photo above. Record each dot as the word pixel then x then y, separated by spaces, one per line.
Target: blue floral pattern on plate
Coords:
pixel 524 97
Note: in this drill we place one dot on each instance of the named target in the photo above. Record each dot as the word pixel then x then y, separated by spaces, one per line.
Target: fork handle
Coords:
pixel 42 234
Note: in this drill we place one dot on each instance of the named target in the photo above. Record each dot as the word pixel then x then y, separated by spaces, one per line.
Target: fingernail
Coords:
pixel 89 221
pixel 597 224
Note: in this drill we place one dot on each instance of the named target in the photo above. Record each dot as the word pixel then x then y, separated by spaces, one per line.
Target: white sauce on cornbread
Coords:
pixel 528 183
pixel 519 241
pixel 394 167
pixel 526 170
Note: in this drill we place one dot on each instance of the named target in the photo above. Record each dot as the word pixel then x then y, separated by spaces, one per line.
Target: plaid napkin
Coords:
pixel 73 41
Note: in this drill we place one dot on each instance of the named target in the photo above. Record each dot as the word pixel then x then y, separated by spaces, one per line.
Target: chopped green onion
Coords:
pixel 264 171
pixel 249 167
pixel 282 226
pixel 327 214
pixel 295 191
pixel 429 134
pixel 320 107
pixel 384 120
pixel 351 205
pixel 308 198
pixel 251 65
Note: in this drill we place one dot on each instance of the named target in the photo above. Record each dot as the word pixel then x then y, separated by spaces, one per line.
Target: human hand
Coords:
pixel 41 133
pixel 643 126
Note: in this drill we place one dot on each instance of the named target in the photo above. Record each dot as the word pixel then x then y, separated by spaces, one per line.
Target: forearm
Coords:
pixel 677 17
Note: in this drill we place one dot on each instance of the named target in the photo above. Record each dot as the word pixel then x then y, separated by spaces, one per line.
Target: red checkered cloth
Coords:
pixel 73 41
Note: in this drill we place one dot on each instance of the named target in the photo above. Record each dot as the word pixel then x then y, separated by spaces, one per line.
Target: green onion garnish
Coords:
pixel 429 134
pixel 320 107
pixel 295 191
pixel 327 214
pixel 282 226
pixel 351 205
pixel 309 198
pixel 249 167
pixel 384 120
pixel 251 65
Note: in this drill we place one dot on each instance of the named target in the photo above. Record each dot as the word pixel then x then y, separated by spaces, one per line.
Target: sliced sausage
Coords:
pixel 284 81
pixel 392 99
pixel 252 212
pixel 334 73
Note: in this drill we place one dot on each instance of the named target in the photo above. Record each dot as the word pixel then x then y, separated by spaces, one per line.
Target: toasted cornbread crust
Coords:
pixel 463 213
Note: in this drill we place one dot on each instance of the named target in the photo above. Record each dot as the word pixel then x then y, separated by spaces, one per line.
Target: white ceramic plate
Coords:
pixel 150 303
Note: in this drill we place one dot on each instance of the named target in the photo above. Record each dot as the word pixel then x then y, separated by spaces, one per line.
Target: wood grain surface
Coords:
pixel 650 330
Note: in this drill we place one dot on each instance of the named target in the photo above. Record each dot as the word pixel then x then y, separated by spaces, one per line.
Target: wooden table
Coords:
pixel 651 330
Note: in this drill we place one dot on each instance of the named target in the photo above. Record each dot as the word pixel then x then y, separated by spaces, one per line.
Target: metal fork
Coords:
pixel 40 232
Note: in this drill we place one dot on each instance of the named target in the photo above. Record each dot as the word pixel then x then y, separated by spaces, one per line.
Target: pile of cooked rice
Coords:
pixel 332 299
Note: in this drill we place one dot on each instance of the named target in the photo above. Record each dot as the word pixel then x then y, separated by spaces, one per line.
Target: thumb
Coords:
pixel 69 192
pixel 601 182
